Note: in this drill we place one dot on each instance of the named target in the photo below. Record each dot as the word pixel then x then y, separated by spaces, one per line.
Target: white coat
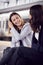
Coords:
pixel 25 36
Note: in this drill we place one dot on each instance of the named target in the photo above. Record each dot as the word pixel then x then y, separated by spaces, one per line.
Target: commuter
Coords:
pixel 21 36
pixel 20 30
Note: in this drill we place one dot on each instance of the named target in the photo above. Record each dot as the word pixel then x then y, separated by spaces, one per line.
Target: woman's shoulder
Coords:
pixel 26 24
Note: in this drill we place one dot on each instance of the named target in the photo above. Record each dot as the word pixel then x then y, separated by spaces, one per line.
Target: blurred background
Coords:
pixel 6 8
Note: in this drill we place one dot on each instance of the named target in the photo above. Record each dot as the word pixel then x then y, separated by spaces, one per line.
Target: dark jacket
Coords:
pixel 27 56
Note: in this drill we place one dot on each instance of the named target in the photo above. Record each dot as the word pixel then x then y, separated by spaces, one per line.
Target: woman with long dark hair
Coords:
pixel 37 24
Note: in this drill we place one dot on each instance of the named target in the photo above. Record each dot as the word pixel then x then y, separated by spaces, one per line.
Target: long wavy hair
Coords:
pixel 36 20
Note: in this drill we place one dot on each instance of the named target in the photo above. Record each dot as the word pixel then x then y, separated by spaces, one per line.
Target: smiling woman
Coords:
pixel 20 30
pixel 4 29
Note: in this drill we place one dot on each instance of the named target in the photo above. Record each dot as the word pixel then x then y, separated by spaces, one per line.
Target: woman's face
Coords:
pixel 16 20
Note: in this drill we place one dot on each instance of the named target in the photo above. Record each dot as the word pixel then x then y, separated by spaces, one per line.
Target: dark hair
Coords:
pixel 36 20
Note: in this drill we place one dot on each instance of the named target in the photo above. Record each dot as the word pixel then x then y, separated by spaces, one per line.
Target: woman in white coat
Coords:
pixel 20 30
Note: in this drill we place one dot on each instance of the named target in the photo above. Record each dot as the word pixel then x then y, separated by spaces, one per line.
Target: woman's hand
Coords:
pixel 10 24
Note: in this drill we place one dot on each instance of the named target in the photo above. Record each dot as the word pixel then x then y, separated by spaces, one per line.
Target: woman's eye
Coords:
pixel 14 20
pixel 16 17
